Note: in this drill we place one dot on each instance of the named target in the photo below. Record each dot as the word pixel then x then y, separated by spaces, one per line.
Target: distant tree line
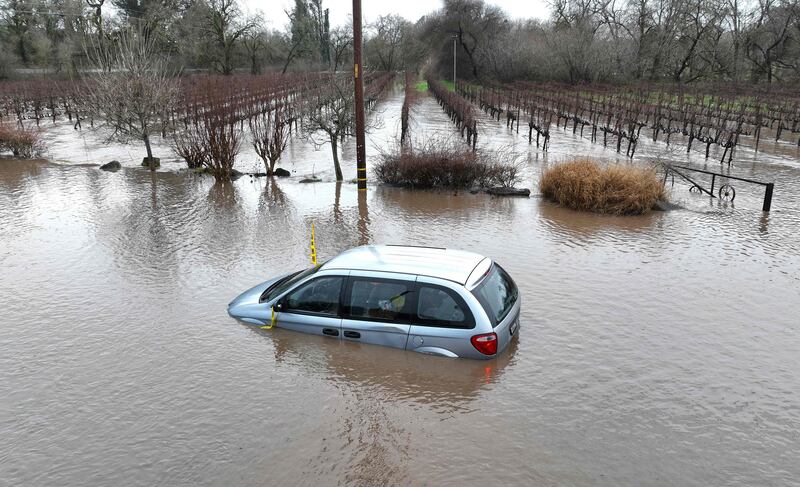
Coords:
pixel 51 36
pixel 583 40
pixel 622 40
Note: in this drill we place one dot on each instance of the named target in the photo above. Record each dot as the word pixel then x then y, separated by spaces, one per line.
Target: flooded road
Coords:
pixel 654 350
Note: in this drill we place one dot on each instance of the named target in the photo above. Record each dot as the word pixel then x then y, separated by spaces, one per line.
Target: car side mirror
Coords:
pixel 278 306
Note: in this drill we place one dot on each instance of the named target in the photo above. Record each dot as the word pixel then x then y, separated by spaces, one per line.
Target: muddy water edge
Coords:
pixel 654 350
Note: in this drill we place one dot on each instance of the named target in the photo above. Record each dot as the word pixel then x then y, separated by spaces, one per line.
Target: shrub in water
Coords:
pixel 21 142
pixel 583 184
pixel 447 164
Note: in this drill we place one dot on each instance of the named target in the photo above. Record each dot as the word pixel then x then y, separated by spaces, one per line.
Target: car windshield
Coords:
pixel 286 283
pixel 497 294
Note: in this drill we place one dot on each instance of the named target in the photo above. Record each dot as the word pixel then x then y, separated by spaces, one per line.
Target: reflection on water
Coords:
pixel 363 219
pixel 578 228
pixel 446 385
pixel 656 350
pixel 370 443
pixel 22 170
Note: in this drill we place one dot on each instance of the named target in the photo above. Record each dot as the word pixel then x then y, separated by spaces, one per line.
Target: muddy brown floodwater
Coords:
pixel 654 350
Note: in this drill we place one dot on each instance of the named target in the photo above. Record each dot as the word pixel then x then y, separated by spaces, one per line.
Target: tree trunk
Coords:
pixel 23 53
pixel 289 58
pixel 227 66
pixel 253 64
pixel 336 165
pixel 146 139
pixel 769 70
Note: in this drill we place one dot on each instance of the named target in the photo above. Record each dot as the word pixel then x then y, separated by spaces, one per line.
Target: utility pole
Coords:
pixel 361 154
pixel 455 36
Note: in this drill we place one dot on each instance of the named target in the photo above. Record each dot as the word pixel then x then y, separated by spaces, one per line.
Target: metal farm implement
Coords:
pixel 725 192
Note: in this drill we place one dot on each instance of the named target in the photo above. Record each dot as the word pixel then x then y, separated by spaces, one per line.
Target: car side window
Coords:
pixel 439 306
pixel 320 295
pixel 379 299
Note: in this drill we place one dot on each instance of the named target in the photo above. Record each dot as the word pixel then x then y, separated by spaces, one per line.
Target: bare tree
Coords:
pixel 329 115
pixel 768 38
pixel 133 92
pixel 294 51
pixel 331 110
pixel 226 29
pixel 387 42
pixel 341 43
pixel 97 18
pixel 255 42
pixel 190 144
pixel 270 135
pixel 699 27
pixel 475 26
pixel 574 38
pixel 736 20
pixel 211 142
pixel 223 139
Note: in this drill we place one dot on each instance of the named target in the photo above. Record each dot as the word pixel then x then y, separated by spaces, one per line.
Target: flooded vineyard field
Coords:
pixel 661 349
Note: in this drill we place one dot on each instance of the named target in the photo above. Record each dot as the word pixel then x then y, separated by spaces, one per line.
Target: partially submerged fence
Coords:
pixel 725 192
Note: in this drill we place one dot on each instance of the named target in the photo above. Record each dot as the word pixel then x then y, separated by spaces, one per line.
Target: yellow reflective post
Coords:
pixel 313 246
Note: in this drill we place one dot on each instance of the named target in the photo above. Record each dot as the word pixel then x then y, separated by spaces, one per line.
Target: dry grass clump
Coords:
pixel 21 142
pixel 444 163
pixel 583 184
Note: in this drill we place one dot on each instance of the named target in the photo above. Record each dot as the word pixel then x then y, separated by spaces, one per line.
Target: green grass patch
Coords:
pixel 422 86
pixel 449 85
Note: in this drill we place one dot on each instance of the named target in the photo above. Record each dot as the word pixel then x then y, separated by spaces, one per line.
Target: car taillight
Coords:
pixel 485 344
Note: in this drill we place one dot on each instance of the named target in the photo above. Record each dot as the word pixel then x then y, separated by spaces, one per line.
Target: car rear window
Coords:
pixel 497 293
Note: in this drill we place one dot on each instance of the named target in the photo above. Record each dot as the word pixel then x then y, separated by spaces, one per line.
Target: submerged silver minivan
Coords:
pixel 431 300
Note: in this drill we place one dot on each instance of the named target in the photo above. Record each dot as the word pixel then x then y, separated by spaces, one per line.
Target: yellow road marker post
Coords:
pixel 272 322
pixel 313 246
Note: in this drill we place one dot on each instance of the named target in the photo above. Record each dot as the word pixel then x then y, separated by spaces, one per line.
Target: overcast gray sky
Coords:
pixel 411 9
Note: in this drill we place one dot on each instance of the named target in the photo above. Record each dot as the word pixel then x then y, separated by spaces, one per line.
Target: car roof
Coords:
pixel 449 264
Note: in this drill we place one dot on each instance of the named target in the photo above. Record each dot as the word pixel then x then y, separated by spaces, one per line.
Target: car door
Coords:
pixel 442 321
pixel 313 306
pixel 377 308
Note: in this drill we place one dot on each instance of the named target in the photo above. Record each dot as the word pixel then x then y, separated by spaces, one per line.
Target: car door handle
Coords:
pixel 385 328
pixel 330 332
pixel 352 334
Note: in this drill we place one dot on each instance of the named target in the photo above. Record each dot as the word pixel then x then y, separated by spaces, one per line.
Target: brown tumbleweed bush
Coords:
pixel 583 184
